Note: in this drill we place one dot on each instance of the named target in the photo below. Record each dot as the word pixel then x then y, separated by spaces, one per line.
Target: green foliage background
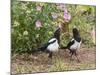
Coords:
pixel 25 35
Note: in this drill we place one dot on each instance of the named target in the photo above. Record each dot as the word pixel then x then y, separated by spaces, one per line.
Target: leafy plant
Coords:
pixel 33 23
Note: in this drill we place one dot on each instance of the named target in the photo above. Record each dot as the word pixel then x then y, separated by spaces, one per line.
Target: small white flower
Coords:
pixel 54 15
pixel 37 35
pixel 24 7
pixel 16 23
pixel 25 33
pixel 28 11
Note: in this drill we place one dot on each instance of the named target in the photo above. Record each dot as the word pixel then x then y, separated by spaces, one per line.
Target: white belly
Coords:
pixel 53 47
pixel 75 46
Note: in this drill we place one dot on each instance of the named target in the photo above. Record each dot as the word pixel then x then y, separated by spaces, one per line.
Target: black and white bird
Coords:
pixel 74 44
pixel 52 45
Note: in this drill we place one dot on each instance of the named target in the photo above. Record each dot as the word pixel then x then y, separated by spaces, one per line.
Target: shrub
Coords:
pixel 34 23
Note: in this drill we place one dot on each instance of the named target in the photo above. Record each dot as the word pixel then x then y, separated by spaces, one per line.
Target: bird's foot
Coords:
pixel 50 62
pixel 78 61
pixel 71 59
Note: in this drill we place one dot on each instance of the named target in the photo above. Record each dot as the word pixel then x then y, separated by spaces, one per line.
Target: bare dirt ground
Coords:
pixel 61 62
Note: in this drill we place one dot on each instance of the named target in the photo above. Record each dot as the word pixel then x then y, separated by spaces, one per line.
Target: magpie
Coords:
pixel 52 45
pixel 74 44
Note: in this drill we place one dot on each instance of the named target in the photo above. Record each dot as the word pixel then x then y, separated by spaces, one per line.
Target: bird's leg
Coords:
pixel 71 56
pixel 70 52
pixel 77 56
pixel 50 57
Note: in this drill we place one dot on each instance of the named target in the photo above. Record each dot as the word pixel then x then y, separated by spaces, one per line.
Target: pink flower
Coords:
pixel 67 16
pixel 54 15
pixel 39 8
pixel 65 11
pixel 38 24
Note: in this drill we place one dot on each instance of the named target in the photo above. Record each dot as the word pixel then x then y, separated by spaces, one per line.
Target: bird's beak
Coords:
pixel 60 26
pixel 58 30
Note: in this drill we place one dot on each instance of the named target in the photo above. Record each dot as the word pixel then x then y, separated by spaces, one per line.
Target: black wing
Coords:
pixel 70 43
pixel 44 46
pixel 78 39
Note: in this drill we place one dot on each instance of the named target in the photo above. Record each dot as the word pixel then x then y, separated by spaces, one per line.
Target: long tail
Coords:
pixel 32 51
pixel 36 50
pixel 42 48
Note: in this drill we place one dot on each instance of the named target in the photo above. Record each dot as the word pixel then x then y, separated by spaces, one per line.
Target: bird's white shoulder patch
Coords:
pixel 72 39
pixel 76 45
pixel 54 46
pixel 52 39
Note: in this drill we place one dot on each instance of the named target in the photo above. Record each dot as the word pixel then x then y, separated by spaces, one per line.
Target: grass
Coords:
pixel 60 62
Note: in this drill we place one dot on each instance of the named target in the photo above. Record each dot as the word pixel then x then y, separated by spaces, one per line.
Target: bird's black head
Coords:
pixel 57 34
pixel 75 32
